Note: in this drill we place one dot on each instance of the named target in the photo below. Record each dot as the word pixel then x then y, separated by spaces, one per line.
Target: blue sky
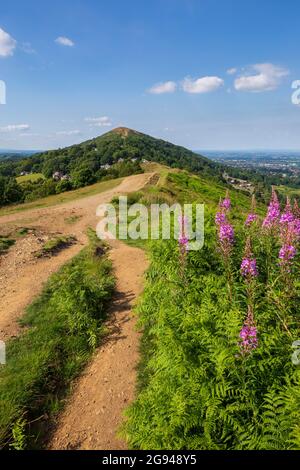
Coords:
pixel 206 74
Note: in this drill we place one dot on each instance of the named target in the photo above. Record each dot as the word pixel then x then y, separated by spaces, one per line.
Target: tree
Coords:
pixel 83 177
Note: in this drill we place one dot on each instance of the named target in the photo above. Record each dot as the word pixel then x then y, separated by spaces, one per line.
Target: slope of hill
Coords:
pixel 200 387
pixel 15 154
pixel 217 371
pixel 119 144
pixel 117 153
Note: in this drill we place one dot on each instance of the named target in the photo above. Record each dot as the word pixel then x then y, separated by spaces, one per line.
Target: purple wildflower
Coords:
pixel 273 213
pixel 249 268
pixel 226 233
pixel 248 335
pixel 296 209
pixel 226 203
pixel 183 244
pixel 287 253
pixel 296 228
pixel 250 219
pixel 287 216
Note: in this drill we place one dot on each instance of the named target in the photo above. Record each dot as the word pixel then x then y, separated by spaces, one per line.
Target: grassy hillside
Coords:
pixel 57 199
pixel 116 154
pixel 102 156
pixel 121 143
pixel 61 329
pixel 31 177
pixel 217 370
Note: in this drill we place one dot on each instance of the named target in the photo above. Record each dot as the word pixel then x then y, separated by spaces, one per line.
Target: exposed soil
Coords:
pixel 94 413
pixel 22 275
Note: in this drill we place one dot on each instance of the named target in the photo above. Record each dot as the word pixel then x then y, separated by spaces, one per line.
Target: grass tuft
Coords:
pixel 5 244
pixel 55 245
pixel 62 327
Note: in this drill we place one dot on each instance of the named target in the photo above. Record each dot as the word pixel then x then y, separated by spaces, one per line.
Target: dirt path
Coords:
pixel 22 275
pixel 93 414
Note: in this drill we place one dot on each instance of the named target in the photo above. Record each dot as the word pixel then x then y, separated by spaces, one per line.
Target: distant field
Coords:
pixel 291 192
pixel 63 197
pixel 32 177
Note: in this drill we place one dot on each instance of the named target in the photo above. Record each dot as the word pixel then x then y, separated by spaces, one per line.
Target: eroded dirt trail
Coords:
pixel 93 414
pixel 22 275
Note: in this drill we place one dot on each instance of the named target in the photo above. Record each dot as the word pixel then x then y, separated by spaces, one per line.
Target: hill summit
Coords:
pixel 118 145
pixel 116 154
pixel 124 131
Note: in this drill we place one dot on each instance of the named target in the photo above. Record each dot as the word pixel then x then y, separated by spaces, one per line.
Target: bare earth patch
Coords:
pixel 22 275
pixel 94 412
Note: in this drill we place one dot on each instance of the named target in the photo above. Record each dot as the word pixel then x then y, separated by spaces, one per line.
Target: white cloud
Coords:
pixel 103 121
pixel 7 44
pixel 267 77
pixel 232 71
pixel 15 127
pixel 75 132
pixel 63 41
pixel 163 87
pixel 29 134
pixel 201 85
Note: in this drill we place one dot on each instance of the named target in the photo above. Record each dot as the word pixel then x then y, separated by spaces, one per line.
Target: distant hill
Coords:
pixel 116 154
pixel 15 154
pixel 117 145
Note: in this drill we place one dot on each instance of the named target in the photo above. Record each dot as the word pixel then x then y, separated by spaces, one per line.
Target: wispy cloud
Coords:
pixel 232 71
pixel 163 87
pixel 74 132
pixel 7 44
pixel 29 134
pixel 202 84
pixel 267 77
pixel 27 48
pixel 15 128
pixel 64 41
pixel 103 121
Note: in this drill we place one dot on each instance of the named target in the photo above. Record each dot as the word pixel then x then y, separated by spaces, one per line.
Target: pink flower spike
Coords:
pixel 287 216
pixel 273 214
pixel 249 268
pixel 250 219
pixel 220 218
pixel 226 203
pixel 248 335
pixel 287 253
pixel 226 233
